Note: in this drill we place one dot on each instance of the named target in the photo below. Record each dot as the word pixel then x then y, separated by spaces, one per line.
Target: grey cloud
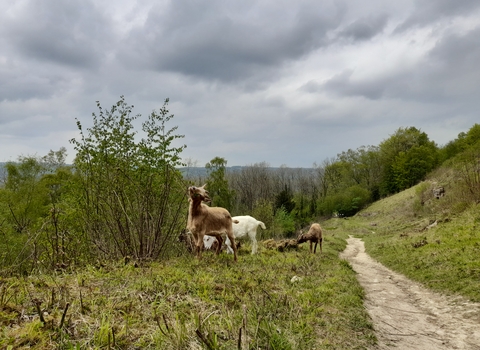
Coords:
pixel 426 12
pixel 343 85
pixel 312 87
pixel 365 28
pixel 57 31
pixel 231 45
pixel 458 51
pixel 455 65
pixel 230 69
pixel 21 87
pixel 449 72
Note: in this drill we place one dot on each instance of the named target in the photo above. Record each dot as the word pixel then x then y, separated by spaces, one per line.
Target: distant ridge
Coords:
pixel 203 172
pixel 189 171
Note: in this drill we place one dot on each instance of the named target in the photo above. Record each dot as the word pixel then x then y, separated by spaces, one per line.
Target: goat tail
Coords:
pixel 262 225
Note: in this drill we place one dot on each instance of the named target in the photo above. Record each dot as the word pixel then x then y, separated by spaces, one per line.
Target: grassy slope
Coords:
pixel 445 257
pixel 164 304
pixel 161 306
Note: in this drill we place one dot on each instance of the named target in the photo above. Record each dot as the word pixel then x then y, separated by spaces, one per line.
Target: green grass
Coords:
pixel 446 257
pixel 189 304
pixel 215 303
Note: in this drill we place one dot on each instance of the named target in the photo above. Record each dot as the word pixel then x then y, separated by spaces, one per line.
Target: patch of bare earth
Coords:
pixel 408 316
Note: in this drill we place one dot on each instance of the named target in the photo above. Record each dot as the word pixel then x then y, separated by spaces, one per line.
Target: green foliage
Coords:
pixel 284 200
pixel 24 196
pixel 364 167
pixel 467 167
pixel 412 166
pixel 217 184
pixel 303 210
pixel 263 211
pixel 461 143
pixel 284 223
pixel 345 203
pixel 407 157
pixel 34 210
pixel 131 196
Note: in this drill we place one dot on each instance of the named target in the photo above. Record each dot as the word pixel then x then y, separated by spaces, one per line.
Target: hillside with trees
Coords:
pixel 125 196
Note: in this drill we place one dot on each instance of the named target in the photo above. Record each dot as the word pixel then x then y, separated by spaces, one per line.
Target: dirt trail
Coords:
pixel 408 316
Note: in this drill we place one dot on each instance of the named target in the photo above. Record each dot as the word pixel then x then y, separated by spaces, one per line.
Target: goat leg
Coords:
pixel 199 244
pixel 220 242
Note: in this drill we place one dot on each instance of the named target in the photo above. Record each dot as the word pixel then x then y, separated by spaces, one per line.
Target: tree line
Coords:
pixel 289 198
pixel 124 197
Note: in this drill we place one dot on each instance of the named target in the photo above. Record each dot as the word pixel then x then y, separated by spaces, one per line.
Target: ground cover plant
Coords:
pixel 272 300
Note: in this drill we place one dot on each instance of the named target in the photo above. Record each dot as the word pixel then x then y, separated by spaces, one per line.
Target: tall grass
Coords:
pixel 189 304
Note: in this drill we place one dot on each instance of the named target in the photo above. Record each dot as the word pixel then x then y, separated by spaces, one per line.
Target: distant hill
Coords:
pixel 192 172
pixel 202 171
pixel 197 172
pixel 2 170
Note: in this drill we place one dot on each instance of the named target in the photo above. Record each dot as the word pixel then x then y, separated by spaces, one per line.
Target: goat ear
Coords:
pixel 203 186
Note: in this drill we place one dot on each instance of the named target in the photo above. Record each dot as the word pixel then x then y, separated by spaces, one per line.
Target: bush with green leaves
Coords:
pixel 131 196
pixel 347 202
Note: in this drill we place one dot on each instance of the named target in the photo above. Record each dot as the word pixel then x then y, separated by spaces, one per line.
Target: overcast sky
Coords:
pixel 283 82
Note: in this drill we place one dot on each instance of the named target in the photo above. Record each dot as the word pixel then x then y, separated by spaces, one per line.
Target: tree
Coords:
pixel 406 157
pixel 25 198
pixel 36 228
pixel 461 143
pixel 217 184
pixel 365 167
pixel 284 200
pixel 252 184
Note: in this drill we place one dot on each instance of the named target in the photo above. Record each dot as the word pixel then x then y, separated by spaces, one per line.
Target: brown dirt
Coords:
pixel 405 314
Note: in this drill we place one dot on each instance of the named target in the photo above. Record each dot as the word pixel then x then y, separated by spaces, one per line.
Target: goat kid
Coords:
pixel 210 243
pixel 314 235
pixel 204 220
pixel 246 226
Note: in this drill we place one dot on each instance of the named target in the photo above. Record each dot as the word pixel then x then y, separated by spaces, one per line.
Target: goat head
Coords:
pixel 199 193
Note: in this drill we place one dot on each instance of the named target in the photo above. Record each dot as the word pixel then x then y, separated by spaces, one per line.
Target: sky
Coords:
pixel 287 83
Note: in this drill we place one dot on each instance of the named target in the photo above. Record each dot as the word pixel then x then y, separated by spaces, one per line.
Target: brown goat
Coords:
pixel 204 220
pixel 314 235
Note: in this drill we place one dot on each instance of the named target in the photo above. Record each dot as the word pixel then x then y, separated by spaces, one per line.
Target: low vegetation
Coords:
pixel 271 300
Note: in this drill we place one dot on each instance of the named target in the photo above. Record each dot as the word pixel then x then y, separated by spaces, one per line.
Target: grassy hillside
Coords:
pixel 187 304
pixel 433 241
pixel 273 300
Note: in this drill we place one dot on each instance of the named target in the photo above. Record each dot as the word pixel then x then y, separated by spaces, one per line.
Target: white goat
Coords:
pixel 246 225
pixel 210 242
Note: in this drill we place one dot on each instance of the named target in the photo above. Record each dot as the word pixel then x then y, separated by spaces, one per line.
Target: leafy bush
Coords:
pixel 347 202
pixel 130 196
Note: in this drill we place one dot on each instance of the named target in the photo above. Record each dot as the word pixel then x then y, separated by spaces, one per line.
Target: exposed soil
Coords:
pixel 405 314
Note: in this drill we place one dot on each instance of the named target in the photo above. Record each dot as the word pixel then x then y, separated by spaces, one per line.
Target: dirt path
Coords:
pixel 408 316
